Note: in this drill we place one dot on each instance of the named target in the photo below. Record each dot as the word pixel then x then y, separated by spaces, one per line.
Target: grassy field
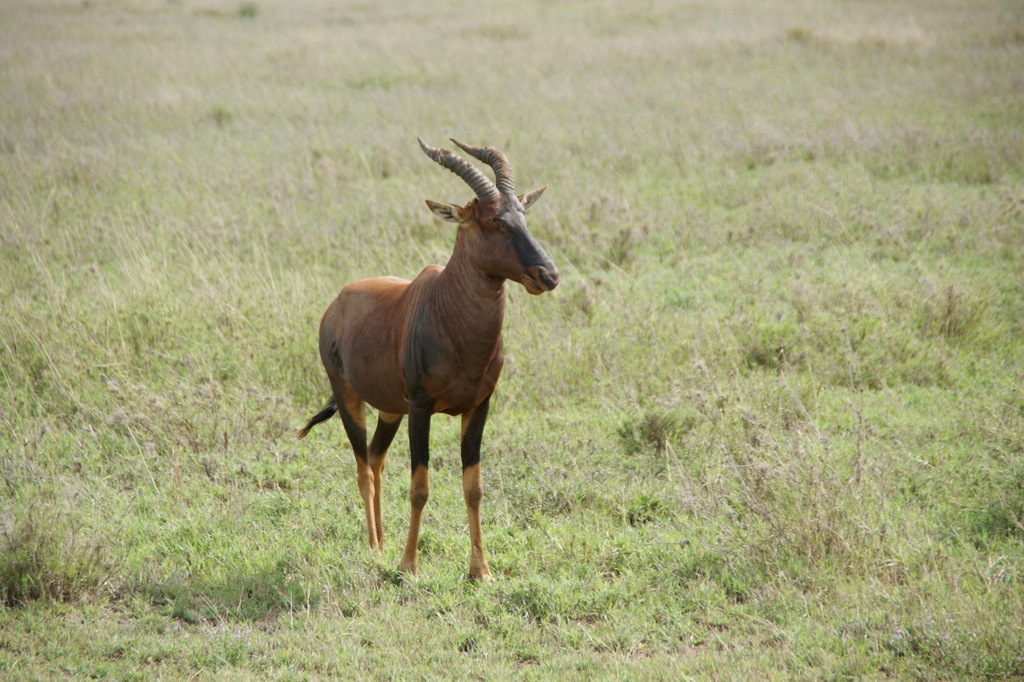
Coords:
pixel 770 424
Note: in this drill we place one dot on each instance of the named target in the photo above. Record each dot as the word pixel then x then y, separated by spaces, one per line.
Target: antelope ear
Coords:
pixel 530 198
pixel 446 212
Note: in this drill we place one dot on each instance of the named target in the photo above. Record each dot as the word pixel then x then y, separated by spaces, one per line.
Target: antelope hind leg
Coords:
pixel 352 411
pixel 387 427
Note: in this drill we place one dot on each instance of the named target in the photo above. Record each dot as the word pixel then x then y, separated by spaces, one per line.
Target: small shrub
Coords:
pixel 954 313
pixel 799 34
pixel 621 248
pixel 771 346
pixel 47 556
pixel 645 509
pixel 221 115
pixel 1003 514
pixel 652 430
pixel 533 600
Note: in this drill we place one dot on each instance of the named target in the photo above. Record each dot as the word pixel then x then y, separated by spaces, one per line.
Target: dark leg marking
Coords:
pixel 473 433
pixel 419 488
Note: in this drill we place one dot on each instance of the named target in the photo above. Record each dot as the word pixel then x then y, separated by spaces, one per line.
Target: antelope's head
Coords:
pixel 492 227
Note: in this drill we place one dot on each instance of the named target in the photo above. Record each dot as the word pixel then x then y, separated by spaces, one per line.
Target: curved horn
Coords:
pixel 496 160
pixel 476 180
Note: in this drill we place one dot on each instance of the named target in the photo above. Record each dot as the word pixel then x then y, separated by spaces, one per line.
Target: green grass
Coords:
pixel 770 424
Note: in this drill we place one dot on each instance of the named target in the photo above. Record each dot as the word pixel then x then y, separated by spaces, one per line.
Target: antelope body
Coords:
pixel 433 344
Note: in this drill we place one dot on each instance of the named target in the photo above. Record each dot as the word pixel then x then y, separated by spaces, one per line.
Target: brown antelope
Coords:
pixel 433 344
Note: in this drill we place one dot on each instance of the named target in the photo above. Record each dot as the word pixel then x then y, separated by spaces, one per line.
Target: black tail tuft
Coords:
pixel 321 416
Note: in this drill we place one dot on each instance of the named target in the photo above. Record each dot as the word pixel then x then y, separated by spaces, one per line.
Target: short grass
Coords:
pixel 770 425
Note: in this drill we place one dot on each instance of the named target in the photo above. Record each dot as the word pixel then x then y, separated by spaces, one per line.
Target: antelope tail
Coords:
pixel 321 416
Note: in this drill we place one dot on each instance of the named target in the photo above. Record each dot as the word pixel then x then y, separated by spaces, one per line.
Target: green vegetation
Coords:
pixel 770 425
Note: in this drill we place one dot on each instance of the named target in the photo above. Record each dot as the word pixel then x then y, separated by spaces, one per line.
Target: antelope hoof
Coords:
pixel 480 574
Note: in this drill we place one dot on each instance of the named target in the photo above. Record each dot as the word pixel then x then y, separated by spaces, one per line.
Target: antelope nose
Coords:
pixel 550 277
pixel 546 277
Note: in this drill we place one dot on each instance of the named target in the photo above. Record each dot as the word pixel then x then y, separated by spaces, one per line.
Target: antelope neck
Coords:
pixel 471 299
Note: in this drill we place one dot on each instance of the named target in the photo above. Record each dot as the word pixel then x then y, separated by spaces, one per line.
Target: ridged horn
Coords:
pixel 477 181
pixel 496 160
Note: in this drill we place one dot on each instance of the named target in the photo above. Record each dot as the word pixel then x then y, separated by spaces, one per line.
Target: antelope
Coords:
pixel 433 344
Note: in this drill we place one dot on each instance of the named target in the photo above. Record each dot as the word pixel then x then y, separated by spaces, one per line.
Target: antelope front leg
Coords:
pixel 419 488
pixel 472 490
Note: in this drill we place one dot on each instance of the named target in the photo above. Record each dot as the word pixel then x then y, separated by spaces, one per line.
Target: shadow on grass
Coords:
pixel 261 592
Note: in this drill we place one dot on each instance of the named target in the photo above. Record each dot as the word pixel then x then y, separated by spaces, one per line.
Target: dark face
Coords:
pixel 505 248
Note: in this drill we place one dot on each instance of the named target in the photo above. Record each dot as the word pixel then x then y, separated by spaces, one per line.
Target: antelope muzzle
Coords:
pixel 540 278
